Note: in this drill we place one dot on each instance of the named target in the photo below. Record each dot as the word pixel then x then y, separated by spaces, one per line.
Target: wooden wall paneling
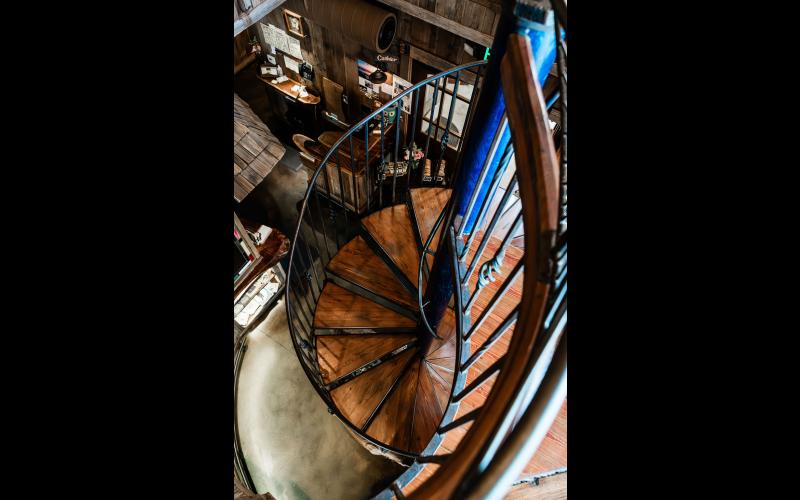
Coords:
pixel 469 17
pixel 442 21
pixel 447 8
pixel 487 24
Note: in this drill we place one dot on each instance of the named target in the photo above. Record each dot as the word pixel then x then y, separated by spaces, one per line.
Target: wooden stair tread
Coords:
pixel 356 262
pixel 427 413
pixel 428 204
pixel 441 386
pixel 391 228
pixel 357 398
pixel 339 355
pixel 446 330
pixel 446 351
pixel 393 423
pixel 445 372
pixel 341 308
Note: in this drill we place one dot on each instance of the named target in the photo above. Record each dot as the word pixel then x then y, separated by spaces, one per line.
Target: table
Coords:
pixel 285 89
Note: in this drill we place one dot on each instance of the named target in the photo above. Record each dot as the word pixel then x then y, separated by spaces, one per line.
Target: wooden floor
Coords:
pixel 546 488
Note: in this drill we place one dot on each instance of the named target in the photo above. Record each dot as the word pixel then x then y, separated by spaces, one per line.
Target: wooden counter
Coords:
pixel 286 89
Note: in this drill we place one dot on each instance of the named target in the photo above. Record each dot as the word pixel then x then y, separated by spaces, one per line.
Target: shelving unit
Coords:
pixel 258 285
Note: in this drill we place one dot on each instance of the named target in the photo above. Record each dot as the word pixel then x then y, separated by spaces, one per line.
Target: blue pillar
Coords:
pixel 537 24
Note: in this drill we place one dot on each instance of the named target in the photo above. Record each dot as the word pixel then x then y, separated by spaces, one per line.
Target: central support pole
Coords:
pixel 535 20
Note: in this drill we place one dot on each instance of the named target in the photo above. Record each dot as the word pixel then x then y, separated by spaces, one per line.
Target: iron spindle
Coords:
pixel 396 146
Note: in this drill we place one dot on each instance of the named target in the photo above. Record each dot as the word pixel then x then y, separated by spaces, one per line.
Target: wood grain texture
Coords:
pixel 428 204
pixel 442 21
pixel 340 308
pixel 285 88
pixel 358 398
pixel 339 355
pixel 446 330
pixel 391 228
pixel 256 150
pixel 552 452
pixel 427 413
pixel 441 387
pixel 538 192
pixel 444 368
pixel 503 308
pixel 393 423
pixel 546 488
pixel 356 262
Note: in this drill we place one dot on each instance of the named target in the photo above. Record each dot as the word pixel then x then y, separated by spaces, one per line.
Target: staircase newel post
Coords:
pixel 533 18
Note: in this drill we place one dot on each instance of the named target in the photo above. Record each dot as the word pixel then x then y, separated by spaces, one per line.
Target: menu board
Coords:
pixel 275 37
pixel 291 64
pixel 294 47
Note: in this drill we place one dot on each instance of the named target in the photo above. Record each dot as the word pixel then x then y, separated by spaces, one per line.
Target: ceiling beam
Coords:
pixel 247 19
pixel 441 22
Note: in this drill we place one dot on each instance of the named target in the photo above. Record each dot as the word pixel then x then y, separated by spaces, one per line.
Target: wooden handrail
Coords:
pixel 537 169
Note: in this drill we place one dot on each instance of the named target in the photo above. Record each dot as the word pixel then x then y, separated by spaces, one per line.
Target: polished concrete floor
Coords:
pixel 293 447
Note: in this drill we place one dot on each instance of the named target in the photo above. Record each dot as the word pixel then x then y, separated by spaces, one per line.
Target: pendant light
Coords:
pixel 379 75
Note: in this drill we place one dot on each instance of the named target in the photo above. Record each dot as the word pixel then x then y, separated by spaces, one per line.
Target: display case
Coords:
pixel 259 279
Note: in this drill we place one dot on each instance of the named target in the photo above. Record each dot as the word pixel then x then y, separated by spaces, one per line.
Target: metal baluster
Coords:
pixel 396 146
pixel 322 223
pixel 366 164
pixel 303 277
pixel 381 165
pixel 318 247
pixel 430 121
pixel 310 262
pixel 415 111
pixel 490 230
pixel 484 171
pixel 494 265
pixel 446 133
pixel 487 200
pixel 489 342
pixel 500 293
pixel 293 289
pixel 353 175
pixel 341 189
pixel 331 213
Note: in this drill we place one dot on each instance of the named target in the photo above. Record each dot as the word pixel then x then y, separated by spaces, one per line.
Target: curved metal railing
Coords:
pixel 347 184
pixel 524 207
pixel 531 377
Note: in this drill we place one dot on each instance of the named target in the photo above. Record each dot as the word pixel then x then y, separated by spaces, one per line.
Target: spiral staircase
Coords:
pixel 431 321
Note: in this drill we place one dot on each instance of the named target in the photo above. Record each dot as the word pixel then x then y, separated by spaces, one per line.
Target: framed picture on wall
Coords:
pixel 294 22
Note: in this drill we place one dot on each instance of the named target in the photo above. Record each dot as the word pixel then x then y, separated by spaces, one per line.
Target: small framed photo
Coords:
pixel 294 23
